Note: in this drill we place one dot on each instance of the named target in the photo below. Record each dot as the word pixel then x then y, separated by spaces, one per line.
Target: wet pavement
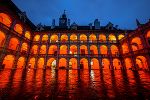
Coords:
pixel 39 84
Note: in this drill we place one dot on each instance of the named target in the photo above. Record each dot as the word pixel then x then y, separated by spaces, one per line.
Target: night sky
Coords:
pixel 83 12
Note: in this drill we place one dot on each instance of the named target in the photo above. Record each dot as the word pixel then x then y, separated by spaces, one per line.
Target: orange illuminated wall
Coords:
pixel 5 19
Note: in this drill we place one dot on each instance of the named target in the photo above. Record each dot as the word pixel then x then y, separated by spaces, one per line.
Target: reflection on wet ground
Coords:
pixel 32 84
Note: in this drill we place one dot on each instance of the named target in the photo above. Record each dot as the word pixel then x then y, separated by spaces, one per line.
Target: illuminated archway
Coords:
pixel 73 49
pixel 114 50
pixel 8 61
pixel 112 37
pixel 40 63
pixel 5 19
pixel 105 63
pixel 28 35
pixel 73 37
pixel 94 64
pixel 92 37
pixel 62 63
pixel 45 38
pixel 52 50
pixel 54 38
pixel 141 62
pixel 93 49
pixel 2 38
pixel 128 63
pixel 136 44
pixel 73 63
pixel 63 49
pixel 43 49
pixel 125 48
pixel 120 36
pixel 51 63
pixel 64 38
pixel 36 38
pixel 148 37
pixel 102 38
pixel 18 28
pixel 24 47
pixel 116 63
pixel 31 63
pixel 83 37
pixel 21 62
pixel 83 50
pixel 84 63
pixel 13 44
pixel 104 49
pixel 34 49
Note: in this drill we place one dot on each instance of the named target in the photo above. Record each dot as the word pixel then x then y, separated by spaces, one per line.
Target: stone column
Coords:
pixel 78 51
pixel 88 47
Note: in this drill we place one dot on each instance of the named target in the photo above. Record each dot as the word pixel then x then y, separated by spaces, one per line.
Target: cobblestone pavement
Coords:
pixel 38 84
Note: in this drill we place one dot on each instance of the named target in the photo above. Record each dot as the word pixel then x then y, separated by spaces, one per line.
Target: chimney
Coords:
pixel 97 24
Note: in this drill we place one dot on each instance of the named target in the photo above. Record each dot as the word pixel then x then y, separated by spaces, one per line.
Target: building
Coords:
pixel 69 46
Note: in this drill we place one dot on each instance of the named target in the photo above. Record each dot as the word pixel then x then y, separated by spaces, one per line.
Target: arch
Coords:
pixel 136 44
pixel 116 63
pixel 36 38
pixel 52 50
pixel 27 35
pixel 8 61
pixel 43 49
pixel 102 38
pixel 112 37
pixel 24 47
pixel 93 49
pixel 45 38
pixel 73 37
pixel 120 36
pixel 83 50
pixel 104 49
pixel 94 63
pixel 114 50
pixel 13 44
pixel 64 38
pixel 84 63
pixel 40 63
pixel 2 38
pixel 73 63
pixel 34 49
pixel 54 38
pixel 21 62
pixel 18 28
pixel 125 48
pixel 105 63
pixel 128 63
pixel 73 49
pixel 83 37
pixel 141 62
pixel 51 63
pixel 5 19
pixel 92 37
pixel 62 63
pixel 31 63
pixel 63 49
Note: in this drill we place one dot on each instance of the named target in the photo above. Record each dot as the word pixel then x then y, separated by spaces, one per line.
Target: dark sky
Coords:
pixel 83 12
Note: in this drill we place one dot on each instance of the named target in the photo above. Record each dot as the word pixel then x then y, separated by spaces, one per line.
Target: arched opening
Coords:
pixel 24 47
pixel 27 35
pixel 141 62
pixel 21 62
pixel 2 38
pixel 31 63
pixel 13 44
pixel 40 63
pixel 52 50
pixel 128 63
pixel 105 63
pixel 8 61
pixel 114 50
pixel 34 49
pixel 83 50
pixel 120 36
pixel 83 38
pixel 112 38
pixel 64 38
pixel 116 63
pixel 103 49
pixel 45 38
pixel 51 63
pixel 94 64
pixel 148 37
pixel 73 63
pixel 136 44
pixel 36 38
pixel 43 49
pixel 63 49
pixel 73 37
pixel 5 19
pixel 62 63
pixel 73 49
pixel 125 48
pixel 92 38
pixel 102 38
pixel 84 63
pixel 93 50
pixel 54 38
pixel 18 28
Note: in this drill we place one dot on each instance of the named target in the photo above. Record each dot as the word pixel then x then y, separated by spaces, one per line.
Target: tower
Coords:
pixel 63 20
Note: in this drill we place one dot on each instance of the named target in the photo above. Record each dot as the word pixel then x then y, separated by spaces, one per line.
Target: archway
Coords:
pixel 24 47
pixel 36 38
pixel 43 49
pixel 21 62
pixel 73 63
pixel 64 38
pixel 45 38
pixel 141 62
pixel 94 64
pixel 104 50
pixel 51 63
pixel 5 19
pixel 116 63
pixel 114 50
pixel 105 63
pixel 54 38
pixel 31 63
pixel 73 49
pixel 34 49
pixel 18 28
pixel 84 63
pixel 93 50
pixel 28 35
pixel 83 50
pixel 52 50
pixel 83 38
pixel 92 38
pixel 13 44
pixel 120 36
pixel 8 61
pixel 112 38
pixel 63 49
pixel 2 38
pixel 102 38
pixel 128 63
pixel 125 48
pixel 40 63
pixel 73 37
pixel 136 44
pixel 62 63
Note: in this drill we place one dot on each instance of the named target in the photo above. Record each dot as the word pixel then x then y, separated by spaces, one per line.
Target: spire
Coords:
pixel 64 14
